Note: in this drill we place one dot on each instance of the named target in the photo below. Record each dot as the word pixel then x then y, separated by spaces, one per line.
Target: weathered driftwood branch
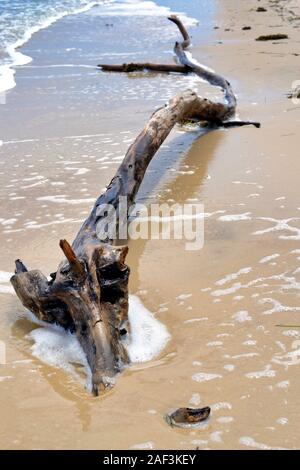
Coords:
pixel 187 65
pixel 89 292
pixel 140 67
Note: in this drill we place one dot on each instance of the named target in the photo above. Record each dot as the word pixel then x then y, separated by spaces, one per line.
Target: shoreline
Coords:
pixel 17 58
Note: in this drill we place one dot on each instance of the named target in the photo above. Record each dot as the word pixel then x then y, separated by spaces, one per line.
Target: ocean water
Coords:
pixel 20 19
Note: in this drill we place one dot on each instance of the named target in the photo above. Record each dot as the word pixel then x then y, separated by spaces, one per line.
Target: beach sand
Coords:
pixel 65 128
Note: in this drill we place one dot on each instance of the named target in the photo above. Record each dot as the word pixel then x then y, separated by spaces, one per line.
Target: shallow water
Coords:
pixel 19 20
pixel 232 308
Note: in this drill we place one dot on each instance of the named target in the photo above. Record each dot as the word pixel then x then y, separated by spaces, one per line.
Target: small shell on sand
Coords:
pixel 187 417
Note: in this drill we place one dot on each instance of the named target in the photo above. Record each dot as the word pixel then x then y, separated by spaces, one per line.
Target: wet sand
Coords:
pixel 222 304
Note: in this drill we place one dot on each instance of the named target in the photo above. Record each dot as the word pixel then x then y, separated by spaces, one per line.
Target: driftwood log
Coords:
pixel 89 292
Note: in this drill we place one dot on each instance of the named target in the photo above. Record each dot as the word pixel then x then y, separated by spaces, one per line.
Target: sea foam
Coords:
pixel 58 348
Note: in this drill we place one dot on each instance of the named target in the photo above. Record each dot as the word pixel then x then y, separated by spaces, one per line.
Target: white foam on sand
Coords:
pixel 266 373
pixel 203 377
pixel 242 316
pixel 222 405
pixel 283 384
pixel 235 217
pixel 58 348
pixel 143 446
pixel 5 276
pixel 195 399
pixel 7 80
pixel 233 276
pixel 148 336
pixel 281 225
pixel 266 259
pixel 62 199
pixel 5 287
pixel 250 442
pixel 61 349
